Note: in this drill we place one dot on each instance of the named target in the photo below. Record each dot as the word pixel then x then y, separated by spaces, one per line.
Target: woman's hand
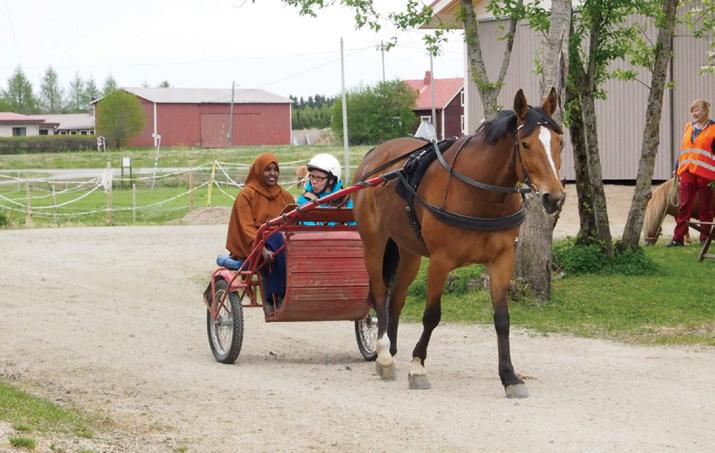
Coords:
pixel 310 196
pixel 267 255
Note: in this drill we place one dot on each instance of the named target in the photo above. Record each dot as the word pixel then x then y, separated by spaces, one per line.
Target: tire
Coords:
pixel 366 334
pixel 226 333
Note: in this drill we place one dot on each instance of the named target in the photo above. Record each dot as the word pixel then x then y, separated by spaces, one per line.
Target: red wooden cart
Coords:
pixel 326 280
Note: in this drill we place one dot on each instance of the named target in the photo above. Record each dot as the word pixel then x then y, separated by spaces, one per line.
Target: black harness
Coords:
pixel 420 159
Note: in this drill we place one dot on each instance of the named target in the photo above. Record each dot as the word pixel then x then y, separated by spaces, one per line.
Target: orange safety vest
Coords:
pixel 697 157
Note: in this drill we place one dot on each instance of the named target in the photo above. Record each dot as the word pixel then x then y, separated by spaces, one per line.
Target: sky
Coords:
pixel 209 44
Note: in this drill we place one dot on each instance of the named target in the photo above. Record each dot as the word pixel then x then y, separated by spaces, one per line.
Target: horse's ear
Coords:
pixel 550 102
pixel 521 108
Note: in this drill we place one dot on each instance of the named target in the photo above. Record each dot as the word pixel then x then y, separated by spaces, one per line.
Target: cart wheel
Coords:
pixel 366 334
pixel 226 332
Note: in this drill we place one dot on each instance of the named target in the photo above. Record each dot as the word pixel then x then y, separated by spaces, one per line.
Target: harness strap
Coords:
pixel 474 183
pixel 459 220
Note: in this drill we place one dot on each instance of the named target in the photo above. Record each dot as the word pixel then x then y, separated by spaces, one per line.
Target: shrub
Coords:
pixel 3 218
pixel 47 144
pixel 572 258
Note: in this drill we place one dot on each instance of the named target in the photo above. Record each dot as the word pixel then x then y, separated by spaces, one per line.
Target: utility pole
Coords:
pixel 431 85
pixel 382 50
pixel 346 178
pixel 230 115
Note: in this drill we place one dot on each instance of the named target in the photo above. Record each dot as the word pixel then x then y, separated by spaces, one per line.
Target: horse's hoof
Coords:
pixel 386 372
pixel 516 391
pixel 418 381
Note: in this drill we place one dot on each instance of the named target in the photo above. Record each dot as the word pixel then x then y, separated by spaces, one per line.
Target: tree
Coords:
pixel 51 94
pixel 19 95
pixel 110 86
pixel 75 96
pixel 533 252
pixel 90 93
pixel 164 84
pixel 119 117
pixel 649 147
pixel 599 37
pixel 701 20
pixel 378 113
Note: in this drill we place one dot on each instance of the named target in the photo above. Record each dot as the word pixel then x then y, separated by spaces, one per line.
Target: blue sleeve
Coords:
pixel 302 200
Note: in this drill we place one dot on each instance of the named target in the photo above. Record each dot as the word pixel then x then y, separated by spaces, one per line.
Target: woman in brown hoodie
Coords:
pixel 261 199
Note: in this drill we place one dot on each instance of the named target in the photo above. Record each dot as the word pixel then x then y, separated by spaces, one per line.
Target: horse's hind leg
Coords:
pixel 500 271
pixel 436 278
pixel 406 273
pixel 374 262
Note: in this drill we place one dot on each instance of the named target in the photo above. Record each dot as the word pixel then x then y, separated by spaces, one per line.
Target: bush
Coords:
pixel 47 144
pixel 572 258
pixel 3 218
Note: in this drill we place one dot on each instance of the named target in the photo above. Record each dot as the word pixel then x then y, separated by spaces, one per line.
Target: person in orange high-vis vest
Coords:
pixel 696 169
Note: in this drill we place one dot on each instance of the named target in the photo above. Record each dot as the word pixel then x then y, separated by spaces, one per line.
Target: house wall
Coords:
pixel 452 118
pixel 31 129
pixel 621 117
pixel 206 125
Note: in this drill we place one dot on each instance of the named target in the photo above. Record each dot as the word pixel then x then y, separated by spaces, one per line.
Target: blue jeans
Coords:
pixel 274 274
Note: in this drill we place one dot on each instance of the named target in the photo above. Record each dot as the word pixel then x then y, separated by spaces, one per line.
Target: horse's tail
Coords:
pixel 655 211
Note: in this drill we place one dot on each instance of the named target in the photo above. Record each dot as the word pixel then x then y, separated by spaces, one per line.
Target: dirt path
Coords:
pixel 110 319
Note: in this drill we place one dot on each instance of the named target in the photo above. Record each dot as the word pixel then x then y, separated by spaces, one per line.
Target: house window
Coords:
pixel 19 131
pixel 44 132
pixel 83 132
pixel 461 119
pixel 461 98
pixel 427 118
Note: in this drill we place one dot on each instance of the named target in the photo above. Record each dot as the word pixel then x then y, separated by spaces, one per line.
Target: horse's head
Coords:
pixel 539 140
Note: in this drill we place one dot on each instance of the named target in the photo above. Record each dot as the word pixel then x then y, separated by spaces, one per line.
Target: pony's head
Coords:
pixel 539 141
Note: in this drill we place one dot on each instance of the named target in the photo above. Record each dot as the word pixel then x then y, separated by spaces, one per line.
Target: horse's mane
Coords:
pixel 655 211
pixel 505 123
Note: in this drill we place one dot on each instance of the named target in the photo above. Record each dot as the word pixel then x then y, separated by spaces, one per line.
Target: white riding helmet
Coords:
pixel 327 163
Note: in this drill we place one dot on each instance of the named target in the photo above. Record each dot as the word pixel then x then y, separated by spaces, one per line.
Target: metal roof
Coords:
pixel 444 91
pixel 206 96
pixel 69 121
pixel 12 117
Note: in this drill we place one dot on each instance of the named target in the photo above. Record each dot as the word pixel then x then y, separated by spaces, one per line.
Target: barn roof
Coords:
pixel 206 95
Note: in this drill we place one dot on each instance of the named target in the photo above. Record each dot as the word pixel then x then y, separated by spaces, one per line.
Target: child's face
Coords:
pixel 318 179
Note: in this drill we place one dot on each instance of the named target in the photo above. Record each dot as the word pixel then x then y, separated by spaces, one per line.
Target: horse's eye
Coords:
pixel 525 145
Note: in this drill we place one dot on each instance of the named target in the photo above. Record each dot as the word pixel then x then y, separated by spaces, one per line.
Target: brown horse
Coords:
pixel 664 201
pixel 523 145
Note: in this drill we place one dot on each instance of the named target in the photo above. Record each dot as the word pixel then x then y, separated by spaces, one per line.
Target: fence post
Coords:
pixel 134 203
pixel 109 208
pixel 191 191
pixel 211 182
pixel 28 217
pixel 54 205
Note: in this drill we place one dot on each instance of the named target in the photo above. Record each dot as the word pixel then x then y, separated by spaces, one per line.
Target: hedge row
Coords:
pixel 47 144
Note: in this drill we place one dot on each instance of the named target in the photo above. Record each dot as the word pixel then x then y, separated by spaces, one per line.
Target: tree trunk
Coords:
pixel 588 98
pixel 488 91
pixel 649 147
pixel 576 80
pixel 536 234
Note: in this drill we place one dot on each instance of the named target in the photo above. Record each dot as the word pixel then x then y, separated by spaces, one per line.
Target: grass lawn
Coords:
pixel 673 305
pixel 32 416
pixel 172 157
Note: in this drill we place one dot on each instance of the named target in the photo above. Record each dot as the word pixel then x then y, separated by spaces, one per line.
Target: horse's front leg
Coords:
pixel 500 271
pixel 436 278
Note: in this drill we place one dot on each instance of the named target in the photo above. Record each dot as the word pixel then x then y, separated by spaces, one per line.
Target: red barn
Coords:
pixel 199 117
pixel 448 103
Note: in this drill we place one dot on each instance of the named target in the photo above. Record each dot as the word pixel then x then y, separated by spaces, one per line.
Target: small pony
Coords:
pixel 664 201
pixel 301 173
